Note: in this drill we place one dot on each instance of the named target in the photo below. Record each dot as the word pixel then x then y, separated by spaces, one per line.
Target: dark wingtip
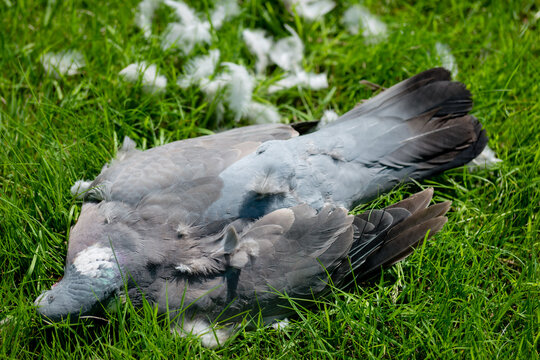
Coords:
pixel 398 240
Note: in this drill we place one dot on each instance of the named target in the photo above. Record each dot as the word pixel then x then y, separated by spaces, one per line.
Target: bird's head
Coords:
pixel 96 268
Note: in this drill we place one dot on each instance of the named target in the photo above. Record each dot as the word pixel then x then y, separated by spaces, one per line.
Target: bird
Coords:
pixel 216 228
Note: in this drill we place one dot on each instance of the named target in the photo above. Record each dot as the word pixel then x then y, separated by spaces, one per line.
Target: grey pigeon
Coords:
pixel 220 227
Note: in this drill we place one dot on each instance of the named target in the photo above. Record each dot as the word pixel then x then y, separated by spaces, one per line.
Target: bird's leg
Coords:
pixel 210 335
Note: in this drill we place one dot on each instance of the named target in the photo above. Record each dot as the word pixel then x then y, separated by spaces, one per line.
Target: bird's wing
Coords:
pixel 135 174
pixel 290 251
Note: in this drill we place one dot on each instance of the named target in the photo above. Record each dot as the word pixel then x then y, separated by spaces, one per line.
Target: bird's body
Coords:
pixel 216 227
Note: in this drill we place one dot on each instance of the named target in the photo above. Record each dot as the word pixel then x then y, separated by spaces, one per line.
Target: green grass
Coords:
pixel 473 292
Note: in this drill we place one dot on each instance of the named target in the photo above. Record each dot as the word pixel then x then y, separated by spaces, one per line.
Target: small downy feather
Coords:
pixel 80 187
pixel 224 11
pixel 151 80
pixel 486 160
pixel 184 37
pixel 187 32
pixel 63 63
pixel 310 9
pixel 287 53
pixel 268 184
pixel 259 45
pixel 145 14
pixel 358 17
pixel 258 113
pixel 301 79
pixel 199 68
pixel 446 59
pixel 328 117
pixel 239 90
pixel 183 12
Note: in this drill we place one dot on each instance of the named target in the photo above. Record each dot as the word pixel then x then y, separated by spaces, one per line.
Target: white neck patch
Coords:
pixel 93 260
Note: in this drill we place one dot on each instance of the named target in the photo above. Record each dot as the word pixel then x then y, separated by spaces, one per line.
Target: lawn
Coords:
pixel 472 292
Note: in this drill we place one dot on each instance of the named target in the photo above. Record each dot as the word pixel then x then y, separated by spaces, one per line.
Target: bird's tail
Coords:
pixel 384 237
pixel 415 129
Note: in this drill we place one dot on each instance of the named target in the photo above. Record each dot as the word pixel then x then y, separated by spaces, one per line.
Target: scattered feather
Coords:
pixel 212 87
pixel 301 79
pixel 258 113
pixel 187 32
pixel 281 325
pixel 224 11
pixel 199 68
pixel 486 160
pixel 63 63
pixel 151 81
pixel 310 9
pixel 80 187
pixel 260 46
pixel 145 14
pixel 183 12
pixel 184 269
pixel 239 90
pixel 358 17
pixel 287 53
pixel 447 60
pixel 185 36
pixel 328 117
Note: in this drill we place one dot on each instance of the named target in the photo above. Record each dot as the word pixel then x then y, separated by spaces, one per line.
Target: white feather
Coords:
pixel 144 15
pixel 80 187
pixel 280 324
pixel 212 87
pixel 486 160
pixel 185 36
pixel 199 68
pixel 183 12
pixel 447 60
pixel 224 10
pixel 259 45
pixel 210 337
pixel 301 79
pixel 310 9
pixel 358 17
pixel 287 53
pixel 184 268
pixel 239 90
pixel 328 117
pixel 63 63
pixel 258 113
pixel 151 80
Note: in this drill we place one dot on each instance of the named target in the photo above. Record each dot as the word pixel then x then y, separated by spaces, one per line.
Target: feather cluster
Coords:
pixel 152 82
pixel 310 9
pixel 144 16
pixel 67 63
pixel 358 18
pixel 446 59
pixel 287 53
pixel 191 29
pixel 486 160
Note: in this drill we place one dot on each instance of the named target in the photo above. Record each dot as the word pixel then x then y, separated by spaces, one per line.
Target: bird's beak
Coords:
pixel 75 295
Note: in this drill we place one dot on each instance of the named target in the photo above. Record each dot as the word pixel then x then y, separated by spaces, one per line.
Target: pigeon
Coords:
pixel 218 228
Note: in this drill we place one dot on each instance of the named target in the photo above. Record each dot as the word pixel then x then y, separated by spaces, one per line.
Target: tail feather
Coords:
pixel 417 95
pixel 384 237
pixel 416 129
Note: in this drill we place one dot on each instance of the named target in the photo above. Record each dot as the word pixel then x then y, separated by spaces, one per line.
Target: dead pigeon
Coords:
pixel 219 227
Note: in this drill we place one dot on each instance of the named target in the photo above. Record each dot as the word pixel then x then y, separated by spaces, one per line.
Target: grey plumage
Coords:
pixel 217 226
